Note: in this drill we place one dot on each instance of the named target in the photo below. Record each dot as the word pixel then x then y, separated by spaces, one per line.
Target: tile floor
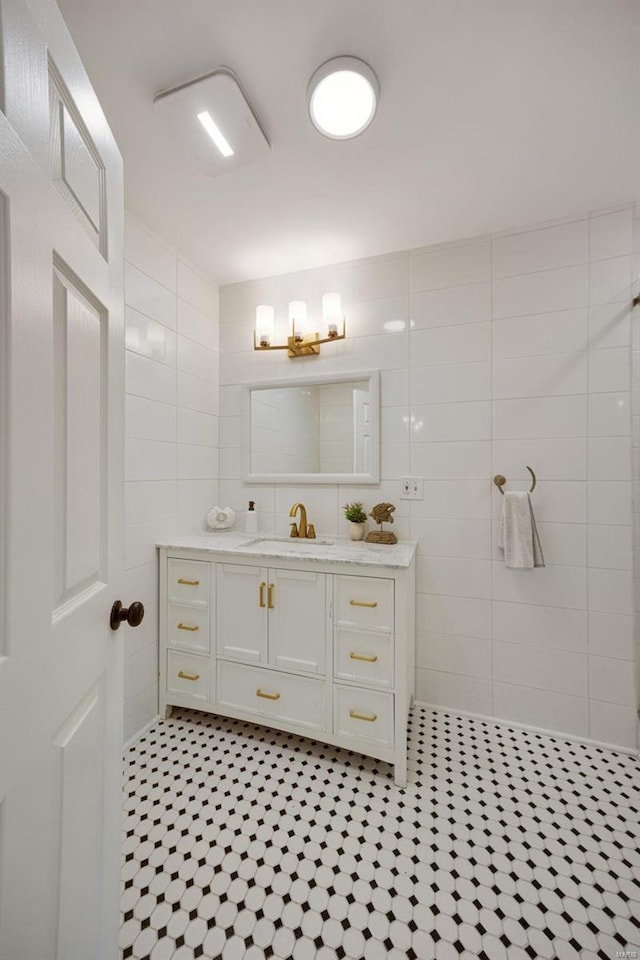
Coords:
pixel 244 843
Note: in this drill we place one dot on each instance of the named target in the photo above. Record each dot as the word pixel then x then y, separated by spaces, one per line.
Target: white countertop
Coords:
pixel 274 546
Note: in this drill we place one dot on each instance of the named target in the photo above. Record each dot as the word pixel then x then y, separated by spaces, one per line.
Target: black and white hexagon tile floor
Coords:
pixel 244 843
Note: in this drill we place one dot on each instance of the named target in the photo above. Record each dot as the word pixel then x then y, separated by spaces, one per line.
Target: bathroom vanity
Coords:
pixel 311 637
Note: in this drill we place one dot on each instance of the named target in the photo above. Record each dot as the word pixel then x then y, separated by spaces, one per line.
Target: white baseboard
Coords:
pixel 557 734
pixel 134 739
pixel 499 721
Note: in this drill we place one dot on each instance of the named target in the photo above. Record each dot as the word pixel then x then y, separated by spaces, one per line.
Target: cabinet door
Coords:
pixel 242 612
pixel 297 620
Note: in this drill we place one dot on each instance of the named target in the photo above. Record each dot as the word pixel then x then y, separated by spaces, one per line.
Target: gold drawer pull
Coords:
pixel 370 718
pixel 267 696
pixel 270 597
pixel 184 626
pixel 361 603
pixel 262 586
pixel 188 676
pixel 189 583
pixel 363 656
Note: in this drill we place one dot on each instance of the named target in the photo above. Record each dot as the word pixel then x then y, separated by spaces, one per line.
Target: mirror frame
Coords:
pixel 372 376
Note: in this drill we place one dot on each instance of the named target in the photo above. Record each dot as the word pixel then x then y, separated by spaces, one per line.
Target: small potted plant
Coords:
pixel 357 517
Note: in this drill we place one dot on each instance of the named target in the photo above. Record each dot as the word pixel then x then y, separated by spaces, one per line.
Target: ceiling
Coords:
pixel 492 114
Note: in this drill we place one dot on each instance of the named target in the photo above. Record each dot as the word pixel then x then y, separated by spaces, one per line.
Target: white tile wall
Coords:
pixel 171 456
pixel 517 352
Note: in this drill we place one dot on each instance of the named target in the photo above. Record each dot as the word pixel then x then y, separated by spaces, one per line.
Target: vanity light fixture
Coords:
pixel 343 96
pixel 300 343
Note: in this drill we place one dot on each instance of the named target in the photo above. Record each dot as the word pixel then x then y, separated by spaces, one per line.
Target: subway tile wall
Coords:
pixel 516 350
pixel 171 430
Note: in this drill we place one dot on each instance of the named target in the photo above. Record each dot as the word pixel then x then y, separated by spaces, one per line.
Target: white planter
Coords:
pixel 356 530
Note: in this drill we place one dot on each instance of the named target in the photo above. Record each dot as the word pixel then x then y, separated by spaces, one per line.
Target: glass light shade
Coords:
pixel 265 324
pixel 332 313
pixel 298 318
pixel 343 95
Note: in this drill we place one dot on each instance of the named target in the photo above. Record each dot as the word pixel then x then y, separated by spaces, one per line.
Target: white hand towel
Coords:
pixel 518 535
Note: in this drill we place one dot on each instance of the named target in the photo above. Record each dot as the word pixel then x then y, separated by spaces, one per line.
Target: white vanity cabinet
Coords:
pixel 314 645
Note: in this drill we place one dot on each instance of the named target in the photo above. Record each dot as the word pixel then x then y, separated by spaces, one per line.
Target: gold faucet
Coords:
pixel 302 530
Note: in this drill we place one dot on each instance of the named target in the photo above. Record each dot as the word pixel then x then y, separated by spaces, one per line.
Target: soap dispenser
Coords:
pixel 251 525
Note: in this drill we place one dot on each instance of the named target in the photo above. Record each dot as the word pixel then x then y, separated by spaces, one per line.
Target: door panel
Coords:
pixel 62 465
pixel 79 421
pixel 242 612
pixel 297 620
pixel 76 168
pixel 78 741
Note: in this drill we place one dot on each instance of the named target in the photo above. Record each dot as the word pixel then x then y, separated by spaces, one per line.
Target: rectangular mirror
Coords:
pixel 323 429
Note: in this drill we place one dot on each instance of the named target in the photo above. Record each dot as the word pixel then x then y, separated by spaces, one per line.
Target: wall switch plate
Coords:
pixel 411 488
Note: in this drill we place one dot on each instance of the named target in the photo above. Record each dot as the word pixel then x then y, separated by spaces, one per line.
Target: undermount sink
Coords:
pixel 285 544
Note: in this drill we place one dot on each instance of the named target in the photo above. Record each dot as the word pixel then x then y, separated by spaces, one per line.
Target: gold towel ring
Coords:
pixel 500 481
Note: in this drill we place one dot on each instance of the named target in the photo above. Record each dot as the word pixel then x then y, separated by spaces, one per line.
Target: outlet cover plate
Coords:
pixel 411 488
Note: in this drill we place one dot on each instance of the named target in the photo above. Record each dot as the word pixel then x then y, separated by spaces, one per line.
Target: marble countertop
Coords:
pixel 275 547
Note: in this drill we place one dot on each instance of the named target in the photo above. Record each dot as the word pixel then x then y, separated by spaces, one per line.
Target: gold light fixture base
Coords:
pixel 305 346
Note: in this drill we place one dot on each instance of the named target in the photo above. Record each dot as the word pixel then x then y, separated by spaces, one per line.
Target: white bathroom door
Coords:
pixel 61 473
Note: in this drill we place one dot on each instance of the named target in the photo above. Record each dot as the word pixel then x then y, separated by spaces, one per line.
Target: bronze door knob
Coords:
pixel 133 614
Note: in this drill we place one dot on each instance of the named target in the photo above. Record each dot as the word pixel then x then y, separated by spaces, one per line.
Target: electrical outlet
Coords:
pixel 411 488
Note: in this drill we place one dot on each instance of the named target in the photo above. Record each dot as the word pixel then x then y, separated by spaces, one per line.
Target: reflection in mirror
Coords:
pixel 320 429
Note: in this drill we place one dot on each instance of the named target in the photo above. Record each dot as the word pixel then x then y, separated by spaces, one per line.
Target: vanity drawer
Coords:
pixel 269 693
pixel 363 714
pixel 188 676
pixel 188 581
pixel 364 657
pixel 188 627
pixel 365 602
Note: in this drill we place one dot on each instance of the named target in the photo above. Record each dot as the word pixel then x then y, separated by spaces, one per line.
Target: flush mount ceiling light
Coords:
pixel 343 96
pixel 213 123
